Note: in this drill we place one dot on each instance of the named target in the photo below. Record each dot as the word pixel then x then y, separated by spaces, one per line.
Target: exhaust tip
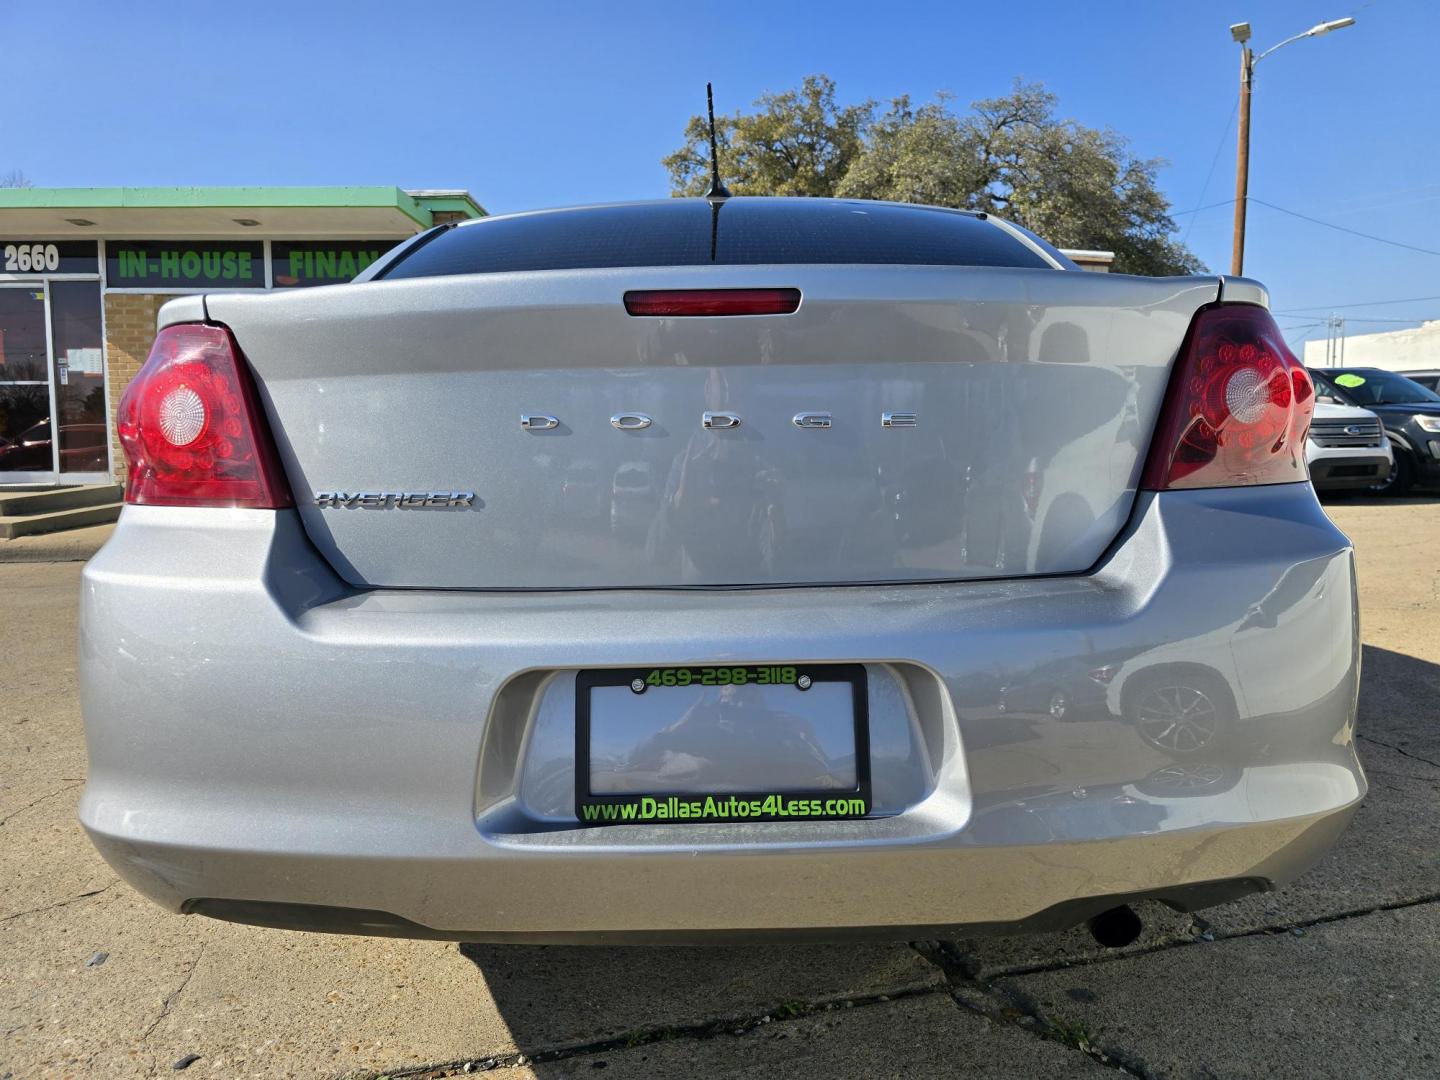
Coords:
pixel 1116 927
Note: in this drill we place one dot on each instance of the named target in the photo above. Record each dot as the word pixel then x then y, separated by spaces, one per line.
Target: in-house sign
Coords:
pixel 184 264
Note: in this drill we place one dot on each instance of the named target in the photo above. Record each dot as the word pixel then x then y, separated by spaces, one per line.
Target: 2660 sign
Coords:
pixel 48 257
pixel 31 258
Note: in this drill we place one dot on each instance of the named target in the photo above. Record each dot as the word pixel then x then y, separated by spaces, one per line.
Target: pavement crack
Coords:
pixel 170 997
pixel 61 903
pixel 975 994
pixel 36 802
pixel 1269 930
pixel 1399 750
pixel 1338 916
pixel 1034 1020
pixel 783 1013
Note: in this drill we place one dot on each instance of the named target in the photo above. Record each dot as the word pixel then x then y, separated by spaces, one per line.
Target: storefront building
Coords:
pixel 83 272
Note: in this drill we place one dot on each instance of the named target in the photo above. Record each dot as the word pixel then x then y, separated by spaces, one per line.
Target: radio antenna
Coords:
pixel 717 188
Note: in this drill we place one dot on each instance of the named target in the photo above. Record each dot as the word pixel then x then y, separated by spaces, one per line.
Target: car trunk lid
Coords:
pixel 904 424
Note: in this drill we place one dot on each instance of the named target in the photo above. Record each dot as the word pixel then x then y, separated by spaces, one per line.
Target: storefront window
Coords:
pixel 79 375
pixel 24 389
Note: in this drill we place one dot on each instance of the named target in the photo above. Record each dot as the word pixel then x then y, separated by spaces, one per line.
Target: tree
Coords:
pixel 796 143
pixel 15 179
pixel 1074 185
pixel 919 155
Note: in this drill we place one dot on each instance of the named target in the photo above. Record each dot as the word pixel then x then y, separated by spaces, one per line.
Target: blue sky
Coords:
pixel 542 104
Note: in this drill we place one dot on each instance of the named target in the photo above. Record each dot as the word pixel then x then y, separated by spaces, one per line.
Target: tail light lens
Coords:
pixel 712 301
pixel 1238 406
pixel 191 429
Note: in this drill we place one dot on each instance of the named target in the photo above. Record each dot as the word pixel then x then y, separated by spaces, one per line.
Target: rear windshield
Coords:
pixel 739 232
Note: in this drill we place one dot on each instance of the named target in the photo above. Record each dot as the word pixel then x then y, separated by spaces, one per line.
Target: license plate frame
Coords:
pixel 728 807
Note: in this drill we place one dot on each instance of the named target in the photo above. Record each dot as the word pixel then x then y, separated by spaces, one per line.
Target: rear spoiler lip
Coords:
pixel 1242 290
pixel 182 309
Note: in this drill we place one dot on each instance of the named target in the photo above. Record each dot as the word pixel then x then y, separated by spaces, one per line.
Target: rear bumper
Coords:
pixel 264 739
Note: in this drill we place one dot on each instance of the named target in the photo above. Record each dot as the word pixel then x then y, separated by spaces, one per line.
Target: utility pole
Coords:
pixel 1334 340
pixel 1240 32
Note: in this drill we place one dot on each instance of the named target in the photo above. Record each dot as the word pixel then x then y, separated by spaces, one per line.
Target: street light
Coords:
pixel 1241 33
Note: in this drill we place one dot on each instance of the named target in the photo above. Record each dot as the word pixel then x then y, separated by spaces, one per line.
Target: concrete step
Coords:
pixel 19 502
pixel 77 517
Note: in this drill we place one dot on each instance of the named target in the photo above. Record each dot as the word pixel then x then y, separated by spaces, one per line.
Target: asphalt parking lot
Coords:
pixel 1337 974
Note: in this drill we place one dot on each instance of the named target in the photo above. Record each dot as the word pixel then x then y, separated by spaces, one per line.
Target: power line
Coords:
pixel 1367 303
pixel 1215 160
pixel 1198 209
pixel 1342 228
pixel 1414 320
pixel 1371 208
pixel 1356 204
pixel 1426 187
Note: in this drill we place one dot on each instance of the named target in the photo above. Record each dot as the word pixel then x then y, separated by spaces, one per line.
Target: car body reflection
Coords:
pixel 1143 805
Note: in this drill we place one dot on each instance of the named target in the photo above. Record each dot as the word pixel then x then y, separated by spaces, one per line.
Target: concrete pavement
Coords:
pixel 1339 972
pixel 73 545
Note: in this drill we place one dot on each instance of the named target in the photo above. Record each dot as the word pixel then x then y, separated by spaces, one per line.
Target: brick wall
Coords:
pixel 129 333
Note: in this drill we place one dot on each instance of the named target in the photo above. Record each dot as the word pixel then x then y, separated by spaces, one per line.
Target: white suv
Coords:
pixel 1347 448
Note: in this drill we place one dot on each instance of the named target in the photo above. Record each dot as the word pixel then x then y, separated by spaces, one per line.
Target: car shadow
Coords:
pixel 1400 703
pixel 554 999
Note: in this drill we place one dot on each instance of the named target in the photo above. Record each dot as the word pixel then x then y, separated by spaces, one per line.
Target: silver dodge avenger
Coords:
pixel 718 568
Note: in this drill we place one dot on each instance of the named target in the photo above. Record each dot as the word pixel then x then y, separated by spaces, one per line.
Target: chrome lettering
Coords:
pixel 395 500
pixel 811 420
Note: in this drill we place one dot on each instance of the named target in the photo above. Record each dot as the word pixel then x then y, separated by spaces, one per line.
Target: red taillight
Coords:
pixel 1238 407
pixel 712 301
pixel 191 429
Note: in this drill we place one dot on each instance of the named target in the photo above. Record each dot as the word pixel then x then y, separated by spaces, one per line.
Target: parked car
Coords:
pixel 83 448
pixel 331 681
pixel 1347 448
pixel 1428 378
pixel 1410 413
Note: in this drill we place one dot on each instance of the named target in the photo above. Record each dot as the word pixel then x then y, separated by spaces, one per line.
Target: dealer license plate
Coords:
pixel 721 743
